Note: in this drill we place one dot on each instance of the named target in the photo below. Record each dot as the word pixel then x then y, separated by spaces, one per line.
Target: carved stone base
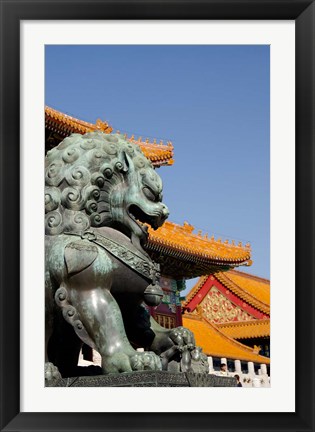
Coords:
pixel 147 379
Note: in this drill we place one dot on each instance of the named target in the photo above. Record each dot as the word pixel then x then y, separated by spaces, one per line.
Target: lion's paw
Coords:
pixel 51 372
pixel 147 360
pixel 182 336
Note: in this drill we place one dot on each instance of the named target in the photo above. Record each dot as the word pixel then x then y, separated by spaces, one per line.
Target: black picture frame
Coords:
pixel 12 12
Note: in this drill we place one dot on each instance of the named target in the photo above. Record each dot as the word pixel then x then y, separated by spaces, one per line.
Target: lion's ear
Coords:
pixel 128 162
pixel 79 256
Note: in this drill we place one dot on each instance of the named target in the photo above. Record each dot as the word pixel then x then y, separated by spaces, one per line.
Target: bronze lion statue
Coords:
pixel 101 193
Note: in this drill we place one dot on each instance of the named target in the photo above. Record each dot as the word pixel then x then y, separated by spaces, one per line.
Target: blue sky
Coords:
pixel 211 101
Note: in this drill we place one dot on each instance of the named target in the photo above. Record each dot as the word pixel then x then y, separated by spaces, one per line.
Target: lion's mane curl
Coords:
pixel 80 173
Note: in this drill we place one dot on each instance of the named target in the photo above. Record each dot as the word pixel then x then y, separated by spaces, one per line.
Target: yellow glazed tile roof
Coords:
pixel 254 285
pixel 182 238
pixel 158 153
pixel 216 344
pixel 72 124
pixel 254 290
pixel 246 329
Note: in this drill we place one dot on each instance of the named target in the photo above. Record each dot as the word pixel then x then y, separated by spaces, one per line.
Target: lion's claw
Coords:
pixel 147 360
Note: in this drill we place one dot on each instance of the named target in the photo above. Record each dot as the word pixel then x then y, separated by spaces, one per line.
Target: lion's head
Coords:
pixel 101 180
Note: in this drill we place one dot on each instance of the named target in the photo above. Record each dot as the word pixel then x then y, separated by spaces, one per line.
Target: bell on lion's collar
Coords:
pixel 153 295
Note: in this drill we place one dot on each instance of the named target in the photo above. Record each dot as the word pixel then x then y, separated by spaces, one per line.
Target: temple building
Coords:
pixel 223 300
pixel 229 312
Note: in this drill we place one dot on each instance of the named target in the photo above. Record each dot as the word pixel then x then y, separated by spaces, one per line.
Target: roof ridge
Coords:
pixel 251 276
pixel 159 154
pixel 231 340
pixel 235 342
pixel 99 124
pixel 148 141
pixel 248 323
pixel 177 231
pixel 246 330
pixel 225 336
pixel 188 227
pixel 242 293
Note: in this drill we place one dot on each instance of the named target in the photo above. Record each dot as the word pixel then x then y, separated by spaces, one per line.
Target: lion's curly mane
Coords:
pixel 80 173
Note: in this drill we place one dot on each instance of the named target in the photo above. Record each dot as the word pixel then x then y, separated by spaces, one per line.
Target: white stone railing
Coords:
pixel 247 379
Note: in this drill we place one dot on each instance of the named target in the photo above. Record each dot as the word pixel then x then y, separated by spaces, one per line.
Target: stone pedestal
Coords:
pixel 147 379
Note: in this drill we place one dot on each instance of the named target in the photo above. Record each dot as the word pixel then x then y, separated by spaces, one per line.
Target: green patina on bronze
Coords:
pixel 100 190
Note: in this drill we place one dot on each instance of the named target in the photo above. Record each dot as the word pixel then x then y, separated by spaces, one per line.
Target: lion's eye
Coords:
pixel 149 194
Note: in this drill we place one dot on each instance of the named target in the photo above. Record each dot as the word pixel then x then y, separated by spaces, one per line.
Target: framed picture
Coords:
pixel 25 403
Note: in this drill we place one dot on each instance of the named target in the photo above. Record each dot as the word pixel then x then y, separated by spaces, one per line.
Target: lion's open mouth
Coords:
pixel 139 215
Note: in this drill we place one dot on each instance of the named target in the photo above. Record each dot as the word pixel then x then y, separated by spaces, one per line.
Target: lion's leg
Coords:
pixel 101 318
pixel 88 305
